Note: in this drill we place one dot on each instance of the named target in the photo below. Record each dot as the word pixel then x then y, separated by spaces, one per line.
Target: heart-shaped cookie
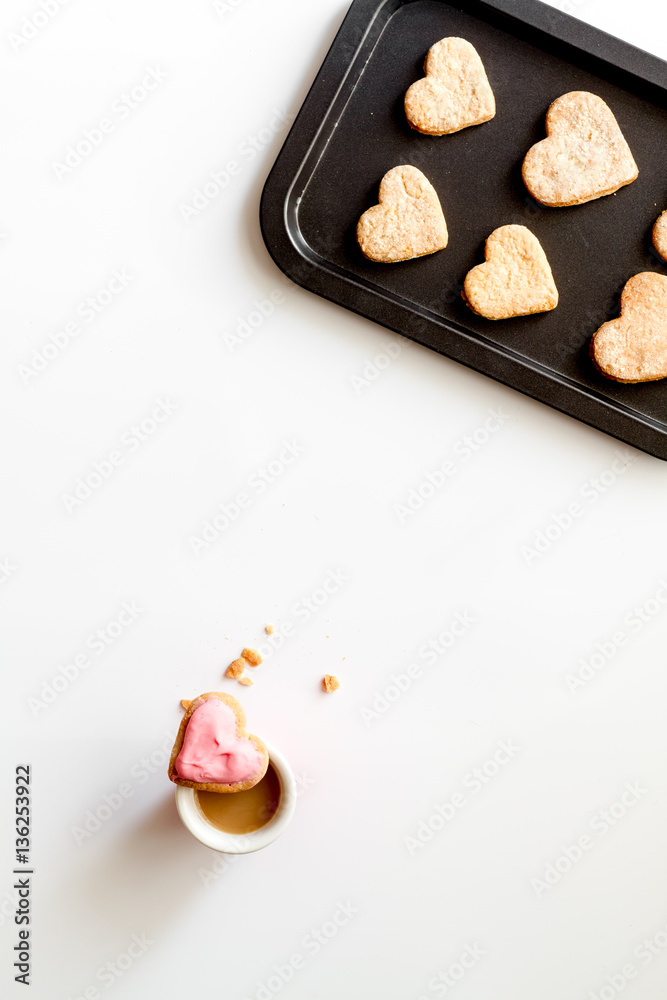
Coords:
pixel 633 348
pixel 407 222
pixel 213 751
pixel 660 235
pixel 454 94
pixel 516 279
pixel 584 156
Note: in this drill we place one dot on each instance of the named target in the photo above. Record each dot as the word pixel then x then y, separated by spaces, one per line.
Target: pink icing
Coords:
pixel 212 751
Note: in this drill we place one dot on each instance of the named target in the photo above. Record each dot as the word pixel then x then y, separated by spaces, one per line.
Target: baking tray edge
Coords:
pixel 295 259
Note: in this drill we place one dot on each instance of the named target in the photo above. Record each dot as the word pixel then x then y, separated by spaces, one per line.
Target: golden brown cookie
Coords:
pixel 330 683
pixel 236 668
pixel 633 348
pixel 454 94
pixel 516 279
pixel 407 222
pixel 660 235
pixel 213 751
pixel 584 156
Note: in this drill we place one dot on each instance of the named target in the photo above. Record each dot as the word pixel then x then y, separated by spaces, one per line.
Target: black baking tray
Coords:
pixel 351 129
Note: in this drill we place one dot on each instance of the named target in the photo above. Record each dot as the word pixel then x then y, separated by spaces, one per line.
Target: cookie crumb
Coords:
pixel 269 629
pixel 235 669
pixel 252 657
pixel 330 683
pixel 246 681
pixel 185 703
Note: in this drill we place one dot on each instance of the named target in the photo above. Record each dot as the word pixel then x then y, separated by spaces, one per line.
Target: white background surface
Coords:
pixel 367 783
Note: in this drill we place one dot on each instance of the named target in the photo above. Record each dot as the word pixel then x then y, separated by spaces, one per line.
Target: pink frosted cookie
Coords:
pixel 213 752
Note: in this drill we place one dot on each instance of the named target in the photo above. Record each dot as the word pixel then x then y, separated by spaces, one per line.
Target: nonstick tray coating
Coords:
pixel 352 129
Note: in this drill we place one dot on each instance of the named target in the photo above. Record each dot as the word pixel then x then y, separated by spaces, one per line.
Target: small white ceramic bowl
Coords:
pixel 241 843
